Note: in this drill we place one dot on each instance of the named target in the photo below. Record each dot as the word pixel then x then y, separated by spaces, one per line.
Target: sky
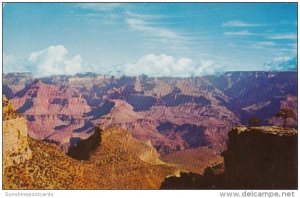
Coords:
pixel 155 39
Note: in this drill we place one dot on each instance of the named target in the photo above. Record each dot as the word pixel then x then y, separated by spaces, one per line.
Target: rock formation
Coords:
pixel 15 145
pixel 15 82
pixel 262 157
pixel 256 158
pixel 255 93
pixel 118 139
pixel 119 162
pixel 81 148
pixel 54 114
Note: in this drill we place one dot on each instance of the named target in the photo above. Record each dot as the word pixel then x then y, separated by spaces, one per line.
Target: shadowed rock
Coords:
pixel 256 158
pixel 80 149
pixel 140 102
pixel 7 91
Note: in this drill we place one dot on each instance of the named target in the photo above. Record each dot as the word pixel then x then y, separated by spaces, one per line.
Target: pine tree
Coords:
pixel 254 121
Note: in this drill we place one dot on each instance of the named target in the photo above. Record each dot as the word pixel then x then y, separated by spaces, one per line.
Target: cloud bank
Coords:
pixel 165 65
pixel 13 64
pixel 55 60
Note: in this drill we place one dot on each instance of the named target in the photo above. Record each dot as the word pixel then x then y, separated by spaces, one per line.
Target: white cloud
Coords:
pixel 165 65
pixel 282 63
pixel 55 60
pixel 240 33
pixel 283 37
pixel 99 6
pixel 144 16
pixel 151 26
pixel 146 27
pixel 237 23
pixel 13 64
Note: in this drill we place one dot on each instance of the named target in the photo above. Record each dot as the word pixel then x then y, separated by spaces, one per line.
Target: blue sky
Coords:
pixel 157 39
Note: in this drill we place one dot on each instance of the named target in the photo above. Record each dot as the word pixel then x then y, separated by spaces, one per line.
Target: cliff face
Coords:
pixel 15 145
pixel 15 82
pixel 54 114
pixel 256 158
pixel 262 157
pixel 268 90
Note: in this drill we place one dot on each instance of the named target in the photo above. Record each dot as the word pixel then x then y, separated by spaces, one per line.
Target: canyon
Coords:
pixel 255 158
pixel 184 121
pixel 115 161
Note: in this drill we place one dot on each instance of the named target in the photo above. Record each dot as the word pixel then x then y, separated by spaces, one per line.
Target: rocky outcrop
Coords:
pixel 119 162
pixel 262 157
pixel 15 145
pixel 150 154
pixel 256 158
pixel 117 139
pixel 80 149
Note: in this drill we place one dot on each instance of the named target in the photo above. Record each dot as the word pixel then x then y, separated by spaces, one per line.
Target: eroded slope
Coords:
pixel 120 162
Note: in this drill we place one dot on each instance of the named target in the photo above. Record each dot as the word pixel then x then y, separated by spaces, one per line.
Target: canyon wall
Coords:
pixel 256 158
pixel 262 157
pixel 179 116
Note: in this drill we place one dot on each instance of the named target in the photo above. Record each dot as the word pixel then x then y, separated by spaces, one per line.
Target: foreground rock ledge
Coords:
pixel 256 158
pixel 262 157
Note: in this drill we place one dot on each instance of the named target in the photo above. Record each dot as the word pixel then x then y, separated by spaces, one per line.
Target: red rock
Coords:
pixel 53 113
